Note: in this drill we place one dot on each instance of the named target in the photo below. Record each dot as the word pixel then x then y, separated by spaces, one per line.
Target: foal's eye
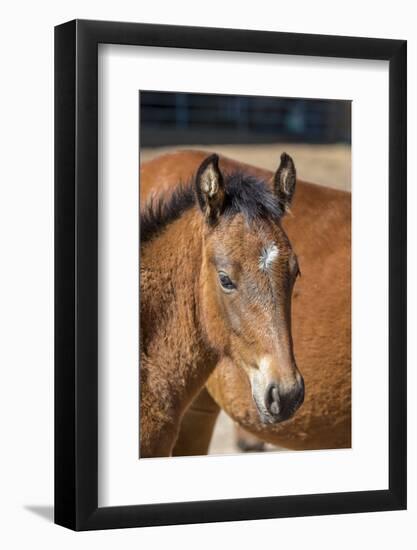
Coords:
pixel 226 282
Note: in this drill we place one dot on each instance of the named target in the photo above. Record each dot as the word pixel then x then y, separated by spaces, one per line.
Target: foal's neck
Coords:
pixel 174 351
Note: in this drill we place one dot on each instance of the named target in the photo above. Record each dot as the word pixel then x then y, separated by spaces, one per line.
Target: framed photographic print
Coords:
pixel 230 244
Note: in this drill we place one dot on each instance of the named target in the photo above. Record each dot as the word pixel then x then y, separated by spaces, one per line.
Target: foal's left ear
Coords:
pixel 284 181
pixel 209 187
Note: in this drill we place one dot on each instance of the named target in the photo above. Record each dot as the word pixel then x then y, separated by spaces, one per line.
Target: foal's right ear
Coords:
pixel 209 187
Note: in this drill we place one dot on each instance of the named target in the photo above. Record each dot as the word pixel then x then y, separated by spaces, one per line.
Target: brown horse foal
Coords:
pixel 216 277
pixel 319 228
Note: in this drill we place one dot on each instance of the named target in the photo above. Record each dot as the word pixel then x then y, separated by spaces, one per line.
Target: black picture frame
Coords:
pixel 76 271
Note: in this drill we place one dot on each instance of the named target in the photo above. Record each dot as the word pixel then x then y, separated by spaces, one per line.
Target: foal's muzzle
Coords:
pixel 281 403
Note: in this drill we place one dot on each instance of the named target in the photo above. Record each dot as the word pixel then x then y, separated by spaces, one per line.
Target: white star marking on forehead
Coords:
pixel 268 255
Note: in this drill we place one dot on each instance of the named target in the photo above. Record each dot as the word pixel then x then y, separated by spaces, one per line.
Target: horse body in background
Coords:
pixel 319 231
pixel 216 277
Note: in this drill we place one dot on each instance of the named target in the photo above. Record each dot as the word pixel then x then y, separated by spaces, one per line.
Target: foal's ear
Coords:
pixel 284 181
pixel 209 187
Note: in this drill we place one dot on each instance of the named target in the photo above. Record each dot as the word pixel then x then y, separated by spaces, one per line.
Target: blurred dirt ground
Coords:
pixel 328 165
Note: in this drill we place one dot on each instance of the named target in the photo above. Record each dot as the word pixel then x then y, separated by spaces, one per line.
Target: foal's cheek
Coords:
pixel 232 314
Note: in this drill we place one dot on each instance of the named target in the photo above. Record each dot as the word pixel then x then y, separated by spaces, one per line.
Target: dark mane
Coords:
pixel 243 194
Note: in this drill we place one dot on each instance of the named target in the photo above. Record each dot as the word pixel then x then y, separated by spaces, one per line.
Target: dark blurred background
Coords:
pixel 181 118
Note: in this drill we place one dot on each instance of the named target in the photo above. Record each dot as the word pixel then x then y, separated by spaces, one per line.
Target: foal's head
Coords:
pixel 247 277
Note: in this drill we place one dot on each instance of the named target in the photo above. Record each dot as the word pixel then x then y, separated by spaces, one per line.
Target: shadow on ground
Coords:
pixel 45 512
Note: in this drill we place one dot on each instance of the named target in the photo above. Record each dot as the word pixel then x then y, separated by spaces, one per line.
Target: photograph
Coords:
pixel 208 239
pixel 245 274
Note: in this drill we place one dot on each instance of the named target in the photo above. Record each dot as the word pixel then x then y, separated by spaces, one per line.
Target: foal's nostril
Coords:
pixel 301 392
pixel 272 399
pixel 283 404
